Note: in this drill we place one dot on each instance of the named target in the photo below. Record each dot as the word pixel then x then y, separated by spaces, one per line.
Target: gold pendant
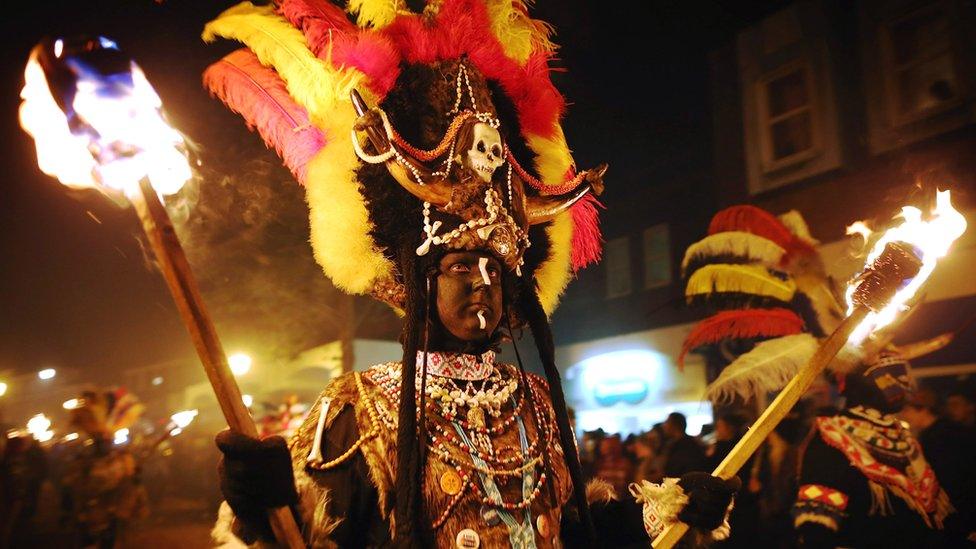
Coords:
pixel 476 417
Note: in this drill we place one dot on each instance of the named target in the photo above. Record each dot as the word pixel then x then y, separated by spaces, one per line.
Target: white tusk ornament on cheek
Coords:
pixel 482 264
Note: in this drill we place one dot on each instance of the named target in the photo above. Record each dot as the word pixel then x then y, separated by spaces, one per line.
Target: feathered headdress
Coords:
pixel 416 131
pixel 767 281
pixel 462 74
pixel 103 412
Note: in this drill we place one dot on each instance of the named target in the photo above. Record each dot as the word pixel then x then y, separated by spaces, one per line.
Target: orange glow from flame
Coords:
pixel 931 240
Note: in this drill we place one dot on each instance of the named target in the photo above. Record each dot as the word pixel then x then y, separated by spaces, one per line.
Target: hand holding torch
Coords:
pixel 97 123
pixel 900 262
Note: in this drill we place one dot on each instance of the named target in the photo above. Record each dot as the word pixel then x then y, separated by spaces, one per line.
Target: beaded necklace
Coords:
pixel 465 444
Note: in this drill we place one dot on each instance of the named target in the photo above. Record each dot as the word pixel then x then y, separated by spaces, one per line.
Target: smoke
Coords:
pixel 244 224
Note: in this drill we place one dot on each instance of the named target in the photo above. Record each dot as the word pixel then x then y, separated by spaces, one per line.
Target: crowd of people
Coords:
pixel 944 425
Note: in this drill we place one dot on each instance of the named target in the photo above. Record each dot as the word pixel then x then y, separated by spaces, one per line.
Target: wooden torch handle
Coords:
pixel 183 286
pixel 774 413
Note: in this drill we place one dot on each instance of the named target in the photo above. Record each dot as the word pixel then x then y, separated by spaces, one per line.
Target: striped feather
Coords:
pixel 742 324
pixel 751 247
pixel 259 95
pixel 769 366
pixel 739 279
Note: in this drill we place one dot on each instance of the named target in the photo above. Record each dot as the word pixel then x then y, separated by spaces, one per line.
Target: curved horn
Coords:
pixel 540 209
pixel 911 351
pixel 437 191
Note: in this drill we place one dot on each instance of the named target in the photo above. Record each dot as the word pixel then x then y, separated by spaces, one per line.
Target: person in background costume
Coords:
pixel 439 182
pixel 101 480
pixel 863 480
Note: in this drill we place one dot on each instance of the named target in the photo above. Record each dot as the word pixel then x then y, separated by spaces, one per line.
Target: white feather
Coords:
pixel 767 367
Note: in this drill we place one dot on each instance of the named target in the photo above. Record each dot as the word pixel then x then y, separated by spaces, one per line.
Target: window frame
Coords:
pixel 765 121
pixel 647 283
pixel 890 72
pixel 624 265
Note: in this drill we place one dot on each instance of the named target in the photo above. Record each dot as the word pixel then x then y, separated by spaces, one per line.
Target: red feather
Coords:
pixel 259 95
pixel 462 27
pixel 750 219
pixel 741 324
pixel 587 244
pixel 320 20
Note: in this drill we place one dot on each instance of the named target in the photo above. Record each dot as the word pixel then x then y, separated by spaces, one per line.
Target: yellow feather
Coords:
pixel 553 158
pixel 552 162
pixel 339 221
pixel 736 243
pixel 519 34
pixel 312 82
pixel 340 226
pixel 374 13
pixel 553 275
pixel 745 279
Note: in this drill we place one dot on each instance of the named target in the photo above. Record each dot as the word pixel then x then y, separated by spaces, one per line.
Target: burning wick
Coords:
pixel 481 320
pixel 482 264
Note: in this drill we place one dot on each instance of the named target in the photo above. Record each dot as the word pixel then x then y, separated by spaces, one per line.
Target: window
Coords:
pixel 790 118
pixel 617 259
pixel 920 69
pixel 657 256
pixel 787 116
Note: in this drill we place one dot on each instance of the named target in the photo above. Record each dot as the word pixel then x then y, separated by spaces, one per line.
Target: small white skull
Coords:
pixel 485 155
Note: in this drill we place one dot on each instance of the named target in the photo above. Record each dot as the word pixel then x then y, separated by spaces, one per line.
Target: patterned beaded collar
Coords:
pixel 457 365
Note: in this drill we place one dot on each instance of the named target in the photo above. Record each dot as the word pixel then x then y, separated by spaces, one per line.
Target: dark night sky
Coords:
pixel 75 291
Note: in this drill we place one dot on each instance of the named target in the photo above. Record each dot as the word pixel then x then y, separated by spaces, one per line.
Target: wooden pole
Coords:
pixel 183 287
pixel 774 413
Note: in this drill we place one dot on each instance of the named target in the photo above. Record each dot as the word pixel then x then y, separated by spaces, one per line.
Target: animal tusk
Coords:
pixel 540 209
pixel 433 190
pixel 482 263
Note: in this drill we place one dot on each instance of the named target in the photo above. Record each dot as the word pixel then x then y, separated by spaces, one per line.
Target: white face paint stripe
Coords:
pixel 482 264
pixel 481 320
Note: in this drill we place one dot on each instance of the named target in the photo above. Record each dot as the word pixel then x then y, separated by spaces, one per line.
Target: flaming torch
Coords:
pixel 899 263
pixel 177 422
pixel 97 123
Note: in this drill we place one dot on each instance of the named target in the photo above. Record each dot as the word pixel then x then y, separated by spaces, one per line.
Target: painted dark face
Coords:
pixel 884 385
pixel 469 283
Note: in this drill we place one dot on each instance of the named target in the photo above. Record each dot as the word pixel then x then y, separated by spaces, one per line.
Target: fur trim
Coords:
pixel 662 503
pixel 739 279
pixel 222 533
pixel 827 522
pixel 769 366
pixel 599 490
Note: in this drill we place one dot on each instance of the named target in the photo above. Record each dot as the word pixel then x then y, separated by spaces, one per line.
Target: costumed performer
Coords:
pixel 427 202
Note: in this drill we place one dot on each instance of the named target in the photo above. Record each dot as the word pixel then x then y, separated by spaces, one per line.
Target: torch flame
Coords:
pixel 931 240
pixel 182 419
pixel 116 134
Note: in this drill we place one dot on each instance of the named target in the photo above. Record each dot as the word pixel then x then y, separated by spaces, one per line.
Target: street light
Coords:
pixel 71 404
pixel 46 373
pixel 240 363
